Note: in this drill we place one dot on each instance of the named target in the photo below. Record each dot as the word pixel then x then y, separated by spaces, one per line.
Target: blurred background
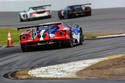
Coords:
pixel 20 5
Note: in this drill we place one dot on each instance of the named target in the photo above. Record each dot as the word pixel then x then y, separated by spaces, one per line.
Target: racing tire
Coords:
pixel 59 15
pixel 26 18
pixel 24 48
pixel 81 40
pixel 21 20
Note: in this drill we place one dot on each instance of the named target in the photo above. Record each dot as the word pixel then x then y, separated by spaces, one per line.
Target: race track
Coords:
pixel 12 59
pixel 102 20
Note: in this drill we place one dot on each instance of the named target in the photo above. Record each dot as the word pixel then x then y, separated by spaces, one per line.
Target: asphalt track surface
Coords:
pixel 100 21
pixel 12 59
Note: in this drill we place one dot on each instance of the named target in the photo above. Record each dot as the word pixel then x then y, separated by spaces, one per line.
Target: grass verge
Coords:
pixel 94 35
pixel 4 35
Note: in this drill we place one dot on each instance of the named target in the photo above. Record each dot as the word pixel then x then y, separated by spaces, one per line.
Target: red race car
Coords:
pixel 51 33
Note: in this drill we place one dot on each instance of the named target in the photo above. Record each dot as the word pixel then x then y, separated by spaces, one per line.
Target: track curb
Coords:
pixel 72 74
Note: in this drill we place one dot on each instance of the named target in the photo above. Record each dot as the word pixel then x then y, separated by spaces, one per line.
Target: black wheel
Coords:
pixel 26 18
pixel 21 20
pixel 81 37
pixel 59 15
pixel 24 48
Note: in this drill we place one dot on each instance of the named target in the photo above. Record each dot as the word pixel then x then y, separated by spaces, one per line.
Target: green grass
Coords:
pixel 15 35
pixel 94 35
pixel 4 35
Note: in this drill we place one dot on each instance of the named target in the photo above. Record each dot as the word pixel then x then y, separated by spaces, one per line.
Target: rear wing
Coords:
pixel 35 26
pixel 47 5
pixel 41 6
pixel 27 27
pixel 51 23
pixel 87 4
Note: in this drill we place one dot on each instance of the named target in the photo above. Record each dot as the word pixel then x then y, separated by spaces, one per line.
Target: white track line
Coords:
pixel 109 36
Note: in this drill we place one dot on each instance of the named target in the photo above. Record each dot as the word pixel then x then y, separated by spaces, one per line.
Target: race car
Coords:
pixel 56 33
pixel 35 12
pixel 74 11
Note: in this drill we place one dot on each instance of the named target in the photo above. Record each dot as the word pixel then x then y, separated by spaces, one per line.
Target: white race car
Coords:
pixel 35 12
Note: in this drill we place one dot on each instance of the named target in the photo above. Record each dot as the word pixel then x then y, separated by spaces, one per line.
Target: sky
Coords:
pixel 20 5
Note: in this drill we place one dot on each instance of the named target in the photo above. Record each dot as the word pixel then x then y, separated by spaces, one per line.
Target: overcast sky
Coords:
pixel 19 5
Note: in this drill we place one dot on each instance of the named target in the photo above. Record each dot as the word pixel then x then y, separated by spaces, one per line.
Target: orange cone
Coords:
pixel 10 43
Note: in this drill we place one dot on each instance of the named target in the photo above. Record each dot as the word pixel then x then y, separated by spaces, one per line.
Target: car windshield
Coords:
pixel 43 27
pixel 37 8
